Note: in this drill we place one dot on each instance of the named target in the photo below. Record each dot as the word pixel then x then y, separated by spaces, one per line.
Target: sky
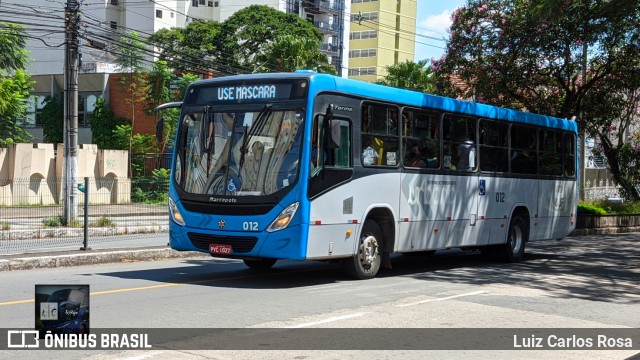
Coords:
pixel 433 19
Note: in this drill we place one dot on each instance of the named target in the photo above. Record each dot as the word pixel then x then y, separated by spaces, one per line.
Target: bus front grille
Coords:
pixel 238 243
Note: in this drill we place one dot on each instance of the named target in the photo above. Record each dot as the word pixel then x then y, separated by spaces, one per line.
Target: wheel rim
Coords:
pixel 368 252
pixel 516 239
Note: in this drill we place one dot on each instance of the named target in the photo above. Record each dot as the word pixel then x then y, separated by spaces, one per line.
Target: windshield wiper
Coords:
pixel 248 134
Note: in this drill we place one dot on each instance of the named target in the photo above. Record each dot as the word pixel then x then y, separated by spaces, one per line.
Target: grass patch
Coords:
pixel 6 225
pixel 103 221
pixel 604 207
pixel 53 221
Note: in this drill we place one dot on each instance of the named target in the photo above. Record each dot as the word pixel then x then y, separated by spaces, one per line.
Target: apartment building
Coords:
pixel 382 34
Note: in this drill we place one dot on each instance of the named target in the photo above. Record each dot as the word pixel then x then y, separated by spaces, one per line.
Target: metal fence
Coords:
pixel 144 164
pixel 127 211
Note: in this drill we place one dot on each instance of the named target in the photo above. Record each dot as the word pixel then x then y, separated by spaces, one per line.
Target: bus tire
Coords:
pixel 260 264
pixel 368 258
pixel 517 236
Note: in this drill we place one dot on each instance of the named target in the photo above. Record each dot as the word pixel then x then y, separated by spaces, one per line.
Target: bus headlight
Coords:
pixel 283 220
pixel 175 213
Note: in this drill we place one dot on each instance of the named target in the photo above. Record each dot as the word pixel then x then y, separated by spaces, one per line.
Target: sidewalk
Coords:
pixel 139 233
pixel 117 252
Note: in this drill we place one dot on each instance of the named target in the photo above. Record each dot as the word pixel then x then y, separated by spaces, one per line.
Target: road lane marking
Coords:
pixel 115 291
pixel 17 302
pixel 331 319
pixel 442 299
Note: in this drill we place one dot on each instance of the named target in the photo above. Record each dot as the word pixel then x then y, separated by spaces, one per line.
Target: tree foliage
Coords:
pixel 189 48
pixel 578 59
pixel 248 33
pixel 236 45
pixel 158 91
pixel 14 84
pixel 53 120
pixel 410 75
pixel 103 124
pixel 290 53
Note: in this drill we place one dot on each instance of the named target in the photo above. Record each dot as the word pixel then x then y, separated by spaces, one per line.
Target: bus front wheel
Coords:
pixel 513 249
pixel 260 264
pixel 368 258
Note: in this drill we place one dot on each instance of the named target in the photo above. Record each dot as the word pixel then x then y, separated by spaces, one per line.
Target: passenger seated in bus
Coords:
pixel 467 155
pixel 414 157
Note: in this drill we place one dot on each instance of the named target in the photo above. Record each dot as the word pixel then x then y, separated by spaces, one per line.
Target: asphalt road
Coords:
pixel 580 282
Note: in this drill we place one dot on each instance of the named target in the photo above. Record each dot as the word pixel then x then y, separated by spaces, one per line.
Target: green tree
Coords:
pixel 189 48
pixel 410 75
pixel 233 46
pixel 158 91
pixel 248 33
pixel 579 59
pixel 103 124
pixel 171 115
pixel 291 53
pixel 14 84
pixel 130 58
pixel 53 120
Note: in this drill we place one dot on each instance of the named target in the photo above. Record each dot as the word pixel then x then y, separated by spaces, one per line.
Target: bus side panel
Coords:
pixel 441 211
pixel 501 196
pixel 331 241
pixel 557 208
pixel 345 208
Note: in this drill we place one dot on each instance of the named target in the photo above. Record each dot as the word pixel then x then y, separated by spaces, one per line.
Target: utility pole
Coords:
pixel 583 132
pixel 70 171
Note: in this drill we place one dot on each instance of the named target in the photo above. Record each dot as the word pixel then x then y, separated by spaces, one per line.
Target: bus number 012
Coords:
pixel 499 197
pixel 250 226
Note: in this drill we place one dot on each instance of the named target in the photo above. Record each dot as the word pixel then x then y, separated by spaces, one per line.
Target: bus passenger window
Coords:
pixel 494 154
pixel 421 142
pixel 569 155
pixel 459 143
pixel 524 155
pixel 379 140
pixel 550 153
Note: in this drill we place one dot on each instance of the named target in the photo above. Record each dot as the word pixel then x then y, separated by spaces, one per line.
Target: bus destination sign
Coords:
pixel 250 92
pixel 247 92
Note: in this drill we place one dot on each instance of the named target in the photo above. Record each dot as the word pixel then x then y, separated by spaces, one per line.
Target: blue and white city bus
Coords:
pixel 307 166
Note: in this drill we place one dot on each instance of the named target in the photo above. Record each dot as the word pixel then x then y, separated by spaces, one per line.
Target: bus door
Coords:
pixel 459 188
pixel 496 193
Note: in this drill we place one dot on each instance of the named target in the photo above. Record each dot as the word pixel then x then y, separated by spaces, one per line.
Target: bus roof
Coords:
pixel 326 82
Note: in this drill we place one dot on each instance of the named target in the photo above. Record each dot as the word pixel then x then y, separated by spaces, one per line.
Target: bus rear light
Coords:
pixel 502 226
pixel 406 219
pixel 448 218
pixel 354 221
pixel 481 217
pixel 436 230
pixel 318 222
pixel 283 220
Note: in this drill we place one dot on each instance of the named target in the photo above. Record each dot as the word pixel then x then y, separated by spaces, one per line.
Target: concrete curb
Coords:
pixel 92 258
pixel 605 230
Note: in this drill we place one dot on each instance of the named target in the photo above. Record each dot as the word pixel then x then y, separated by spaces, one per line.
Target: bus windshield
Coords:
pixel 238 153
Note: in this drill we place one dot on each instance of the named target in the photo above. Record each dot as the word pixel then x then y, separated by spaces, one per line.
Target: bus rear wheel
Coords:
pixel 260 264
pixel 368 258
pixel 517 236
